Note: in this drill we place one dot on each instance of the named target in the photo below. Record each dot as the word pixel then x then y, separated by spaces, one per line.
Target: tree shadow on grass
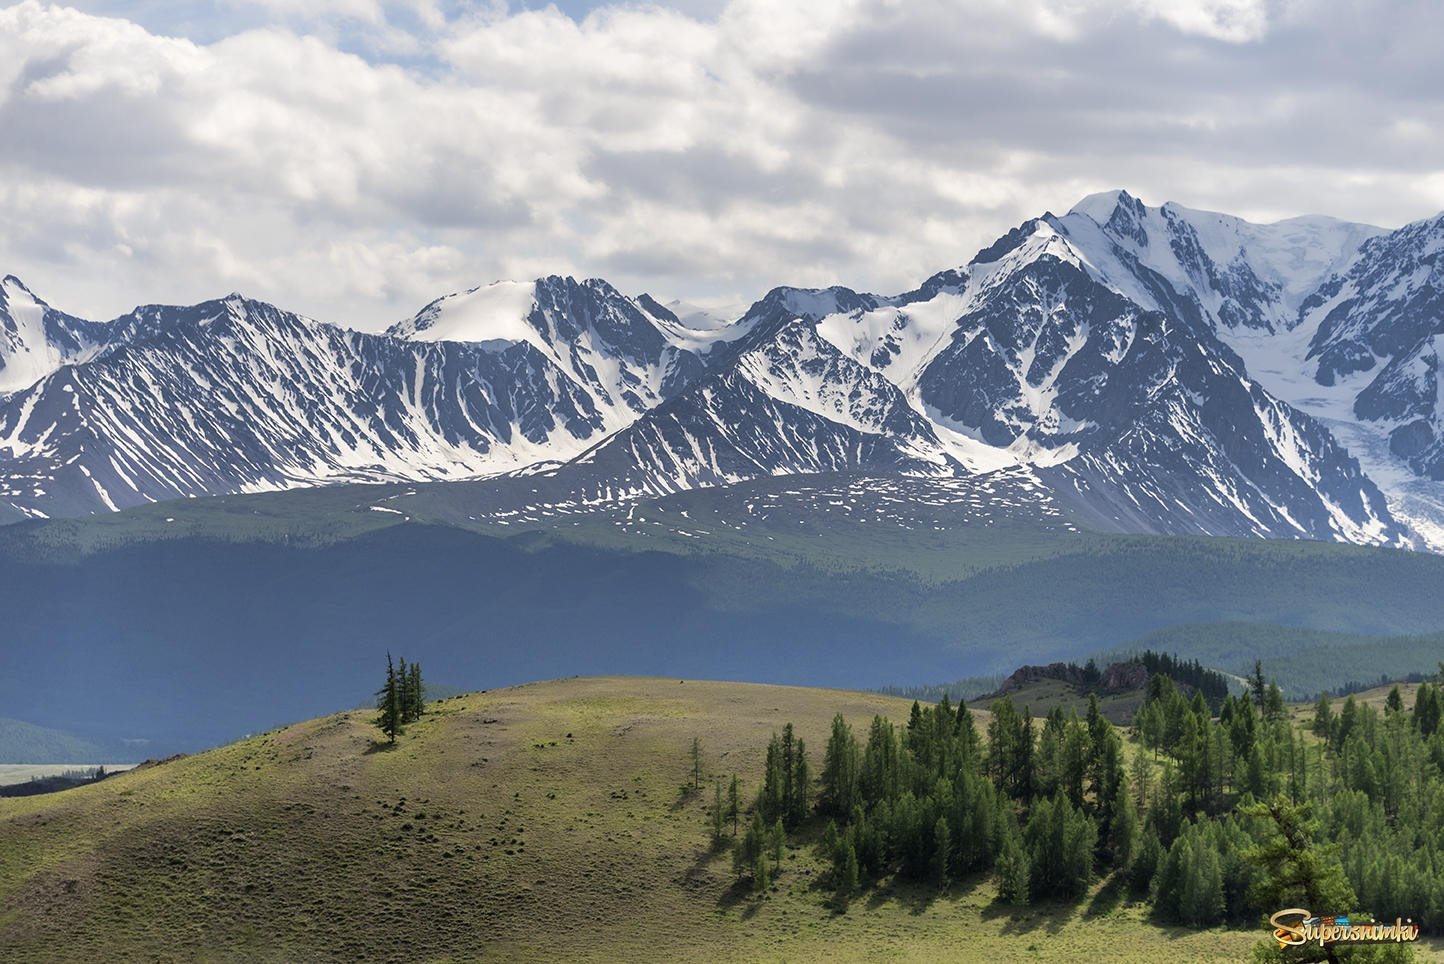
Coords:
pixel 685 795
pixel 741 893
pixel 1048 916
pixel 379 746
pixel 695 874
pixel 1108 898
pixel 914 896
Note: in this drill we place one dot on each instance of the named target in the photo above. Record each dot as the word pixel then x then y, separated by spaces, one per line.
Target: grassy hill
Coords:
pixel 22 742
pixel 1040 696
pixel 539 822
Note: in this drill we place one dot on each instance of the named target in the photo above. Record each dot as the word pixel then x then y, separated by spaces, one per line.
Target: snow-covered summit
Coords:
pixel 494 312
pixel 1100 207
pixel 1235 273
pixel 36 340
pixel 1148 360
pixel 622 356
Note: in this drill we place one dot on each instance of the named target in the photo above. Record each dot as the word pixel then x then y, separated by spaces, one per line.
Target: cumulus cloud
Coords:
pixel 353 159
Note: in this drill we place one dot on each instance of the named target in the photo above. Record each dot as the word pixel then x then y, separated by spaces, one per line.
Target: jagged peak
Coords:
pixel 550 282
pixel 949 279
pixel 656 309
pixel 1423 225
pixel 13 283
pixel 1043 236
pixel 600 286
pixel 814 303
pixel 1104 204
pixel 560 281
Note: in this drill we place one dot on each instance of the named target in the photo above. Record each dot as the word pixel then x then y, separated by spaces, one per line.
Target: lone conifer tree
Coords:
pixel 718 814
pixel 415 694
pixel 1395 702
pixel 1258 684
pixel 734 803
pixel 403 688
pixel 388 701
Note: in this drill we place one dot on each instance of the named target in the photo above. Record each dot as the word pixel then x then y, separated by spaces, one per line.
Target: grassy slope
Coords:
pixel 1040 696
pixel 24 743
pixel 296 845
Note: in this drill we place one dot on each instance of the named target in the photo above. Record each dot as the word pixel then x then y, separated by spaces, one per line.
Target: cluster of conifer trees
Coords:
pixel 401 700
pixel 782 805
pixel 1216 817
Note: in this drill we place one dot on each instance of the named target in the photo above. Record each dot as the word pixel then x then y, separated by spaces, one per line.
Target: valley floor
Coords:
pixel 543 821
pixel 12 773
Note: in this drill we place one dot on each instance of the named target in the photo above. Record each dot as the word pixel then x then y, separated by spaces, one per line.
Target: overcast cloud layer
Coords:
pixel 353 159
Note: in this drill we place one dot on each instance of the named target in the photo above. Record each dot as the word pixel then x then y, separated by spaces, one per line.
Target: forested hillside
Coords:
pixel 1208 818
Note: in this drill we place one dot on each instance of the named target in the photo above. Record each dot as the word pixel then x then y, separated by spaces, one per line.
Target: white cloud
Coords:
pixel 1237 21
pixel 354 158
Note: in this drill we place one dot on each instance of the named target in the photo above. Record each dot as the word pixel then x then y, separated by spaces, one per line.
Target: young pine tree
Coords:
pixel 1145 862
pixel 1122 831
pixel 801 779
pixel 1168 881
pixel 1394 703
pixel 1428 706
pixel 388 702
pixel 749 860
pixel 1274 707
pixel 942 851
pixel 839 771
pixel 838 847
pixel 734 803
pixel 775 778
pixel 417 692
pixel 403 684
pixel 1011 868
pixel 1062 840
pixel 1323 716
pixel 718 815
pixel 789 773
pixel 850 875
pixel 1201 897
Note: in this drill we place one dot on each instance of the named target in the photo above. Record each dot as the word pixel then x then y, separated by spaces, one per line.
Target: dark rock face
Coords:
pixel 1122 677
pixel 1027 675
pixel 1117 678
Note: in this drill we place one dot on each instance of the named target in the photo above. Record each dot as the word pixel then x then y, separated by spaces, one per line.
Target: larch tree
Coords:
pixel 388 702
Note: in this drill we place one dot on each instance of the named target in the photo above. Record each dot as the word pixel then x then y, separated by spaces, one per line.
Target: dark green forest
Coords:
pixel 1210 817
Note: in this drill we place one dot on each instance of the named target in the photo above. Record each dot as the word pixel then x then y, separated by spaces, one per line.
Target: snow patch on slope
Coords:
pixel 493 313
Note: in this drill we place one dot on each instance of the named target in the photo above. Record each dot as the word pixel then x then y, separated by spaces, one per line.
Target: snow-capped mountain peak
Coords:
pixel 1145 364
pixel 496 312
pixel 36 340
pixel 621 355
pixel 1103 206
pixel 1232 273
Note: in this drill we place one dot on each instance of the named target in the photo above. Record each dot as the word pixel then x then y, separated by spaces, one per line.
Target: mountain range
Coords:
pixel 1147 369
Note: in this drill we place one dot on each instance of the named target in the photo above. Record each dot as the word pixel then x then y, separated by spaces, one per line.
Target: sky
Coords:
pixel 355 159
